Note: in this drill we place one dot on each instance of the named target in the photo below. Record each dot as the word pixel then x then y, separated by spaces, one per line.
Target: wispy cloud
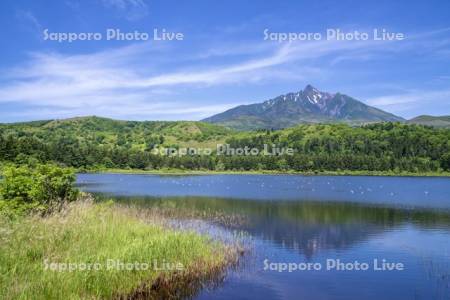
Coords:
pixel 406 103
pixel 409 97
pixel 164 111
pixel 109 76
pixel 130 9
pixel 28 20
pixel 134 80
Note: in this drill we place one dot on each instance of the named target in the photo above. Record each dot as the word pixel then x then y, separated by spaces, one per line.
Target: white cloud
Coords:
pixel 29 20
pixel 109 77
pixel 415 102
pixel 130 9
pixel 134 80
pixel 413 96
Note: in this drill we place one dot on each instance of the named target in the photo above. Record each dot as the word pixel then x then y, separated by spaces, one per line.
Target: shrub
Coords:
pixel 41 187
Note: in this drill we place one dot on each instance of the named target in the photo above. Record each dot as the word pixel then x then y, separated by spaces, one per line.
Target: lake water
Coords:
pixel 317 220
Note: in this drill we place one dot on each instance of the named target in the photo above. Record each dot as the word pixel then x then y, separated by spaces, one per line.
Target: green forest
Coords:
pixel 91 143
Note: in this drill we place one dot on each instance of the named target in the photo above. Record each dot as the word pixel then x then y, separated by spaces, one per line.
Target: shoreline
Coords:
pixel 179 172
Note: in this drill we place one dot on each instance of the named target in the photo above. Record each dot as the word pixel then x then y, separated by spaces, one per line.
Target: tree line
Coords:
pixel 325 147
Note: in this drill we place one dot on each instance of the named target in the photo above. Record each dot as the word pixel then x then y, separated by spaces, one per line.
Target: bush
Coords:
pixel 41 187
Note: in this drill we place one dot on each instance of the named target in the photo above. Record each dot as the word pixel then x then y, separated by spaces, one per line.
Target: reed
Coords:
pixel 34 250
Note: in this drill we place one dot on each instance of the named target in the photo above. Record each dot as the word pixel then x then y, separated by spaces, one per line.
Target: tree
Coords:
pixel 445 161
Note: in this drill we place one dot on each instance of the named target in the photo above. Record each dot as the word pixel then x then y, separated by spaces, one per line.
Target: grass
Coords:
pixel 93 233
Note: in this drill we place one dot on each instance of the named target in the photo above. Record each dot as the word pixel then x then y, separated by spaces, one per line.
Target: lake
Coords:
pixel 397 227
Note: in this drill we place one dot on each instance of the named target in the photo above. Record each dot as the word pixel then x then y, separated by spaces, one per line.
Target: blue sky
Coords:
pixel 223 60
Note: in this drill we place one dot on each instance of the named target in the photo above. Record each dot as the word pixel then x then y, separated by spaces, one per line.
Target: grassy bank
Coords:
pixel 269 172
pixel 101 237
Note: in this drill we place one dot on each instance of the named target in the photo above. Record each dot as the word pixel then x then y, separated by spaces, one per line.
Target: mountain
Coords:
pixel 438 121
pixel 307 106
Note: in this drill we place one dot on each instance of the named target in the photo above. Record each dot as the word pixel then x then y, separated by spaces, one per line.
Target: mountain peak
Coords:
pixel 316 97
pixel 310 89
pixel 307 106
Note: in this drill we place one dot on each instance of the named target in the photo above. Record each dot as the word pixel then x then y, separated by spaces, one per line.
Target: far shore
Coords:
pixel 263 172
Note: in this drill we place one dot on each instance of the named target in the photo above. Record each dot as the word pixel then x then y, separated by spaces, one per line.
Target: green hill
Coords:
pixel 130 134
pixel 435 121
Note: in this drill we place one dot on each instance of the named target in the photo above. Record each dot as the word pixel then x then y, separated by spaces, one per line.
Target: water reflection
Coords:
pixel 300 218
pixel 307 227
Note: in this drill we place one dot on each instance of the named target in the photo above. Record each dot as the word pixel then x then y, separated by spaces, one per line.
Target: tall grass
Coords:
pixel 93 233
